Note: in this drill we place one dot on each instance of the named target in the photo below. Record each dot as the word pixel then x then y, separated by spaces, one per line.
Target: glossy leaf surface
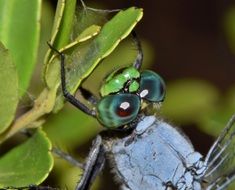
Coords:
pixel 28 163
pixel 19 32
pixel 9 88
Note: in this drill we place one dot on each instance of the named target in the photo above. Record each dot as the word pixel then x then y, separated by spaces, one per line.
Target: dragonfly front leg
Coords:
pixel 94 164
pixel 68 96
pixel 67 157
pixel 30 187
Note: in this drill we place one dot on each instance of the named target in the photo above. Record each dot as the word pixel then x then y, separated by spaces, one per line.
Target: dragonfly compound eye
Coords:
pixel 152 86
pixel 117 110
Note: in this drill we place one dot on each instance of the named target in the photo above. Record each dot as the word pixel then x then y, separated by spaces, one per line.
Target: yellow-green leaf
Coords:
pixel 19 32
pixel 9 89
pixel 28 163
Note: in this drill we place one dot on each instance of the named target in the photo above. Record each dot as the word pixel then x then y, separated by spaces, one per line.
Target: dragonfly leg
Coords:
pixel 65 156
pixel 87 95
pixel 139 59
pixel 69 97
pixel 94 164
pixel 30 187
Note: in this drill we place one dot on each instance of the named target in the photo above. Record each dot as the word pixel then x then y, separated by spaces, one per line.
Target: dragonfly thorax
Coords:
pixel 155 156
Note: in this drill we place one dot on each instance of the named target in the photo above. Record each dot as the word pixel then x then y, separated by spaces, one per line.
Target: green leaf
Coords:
pixel 28 163
pixel 85 23
pixel 57 19
pixel 110 36
pixel 9 89
pixel 118 28
pixel 54 64
pixel 85 17
pixel 62 27
pixel 87 33
pixel 83 59
pixel 64 30
pixel 19 32
pixel 125 50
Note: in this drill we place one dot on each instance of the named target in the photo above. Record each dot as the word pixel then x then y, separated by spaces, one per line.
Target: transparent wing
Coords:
pixel 221 182
pixel 220 160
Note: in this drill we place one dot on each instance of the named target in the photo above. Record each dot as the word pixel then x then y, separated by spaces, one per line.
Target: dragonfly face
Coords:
pixel 123 94
pixel 146 152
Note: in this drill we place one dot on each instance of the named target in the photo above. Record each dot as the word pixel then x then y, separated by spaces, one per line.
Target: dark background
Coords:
pixel 188 38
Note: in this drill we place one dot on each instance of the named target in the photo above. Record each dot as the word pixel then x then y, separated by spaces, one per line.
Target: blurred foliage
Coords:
pixel 20 37
pixel 9 96
pixel 198 102
pixel 188 100
pixel 229 24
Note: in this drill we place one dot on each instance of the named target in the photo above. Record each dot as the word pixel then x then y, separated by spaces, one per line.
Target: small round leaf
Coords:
pixel 28 163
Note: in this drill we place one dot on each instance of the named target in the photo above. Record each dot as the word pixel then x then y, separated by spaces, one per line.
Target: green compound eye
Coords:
pixel 117 110
pixel 152 86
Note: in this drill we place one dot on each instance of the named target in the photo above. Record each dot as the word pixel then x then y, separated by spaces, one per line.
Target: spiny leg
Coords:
pixel 139 59
pixel 88 96
pixel 65 156
pixel 30 187
pixel 95 160
pixel 69 97
pixel 94 164
pixel 92 167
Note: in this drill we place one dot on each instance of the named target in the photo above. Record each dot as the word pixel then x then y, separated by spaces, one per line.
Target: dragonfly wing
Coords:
pixel 222 182
pixel 220 160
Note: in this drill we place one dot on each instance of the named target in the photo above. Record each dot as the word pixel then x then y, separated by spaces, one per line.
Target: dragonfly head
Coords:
pixel 124 92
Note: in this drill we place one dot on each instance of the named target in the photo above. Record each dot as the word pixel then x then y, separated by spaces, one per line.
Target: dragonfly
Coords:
pixel 146 152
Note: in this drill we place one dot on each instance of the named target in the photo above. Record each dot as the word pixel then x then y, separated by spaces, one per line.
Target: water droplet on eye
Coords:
pixel 125 105
pixel 124 109
pixel 144 93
